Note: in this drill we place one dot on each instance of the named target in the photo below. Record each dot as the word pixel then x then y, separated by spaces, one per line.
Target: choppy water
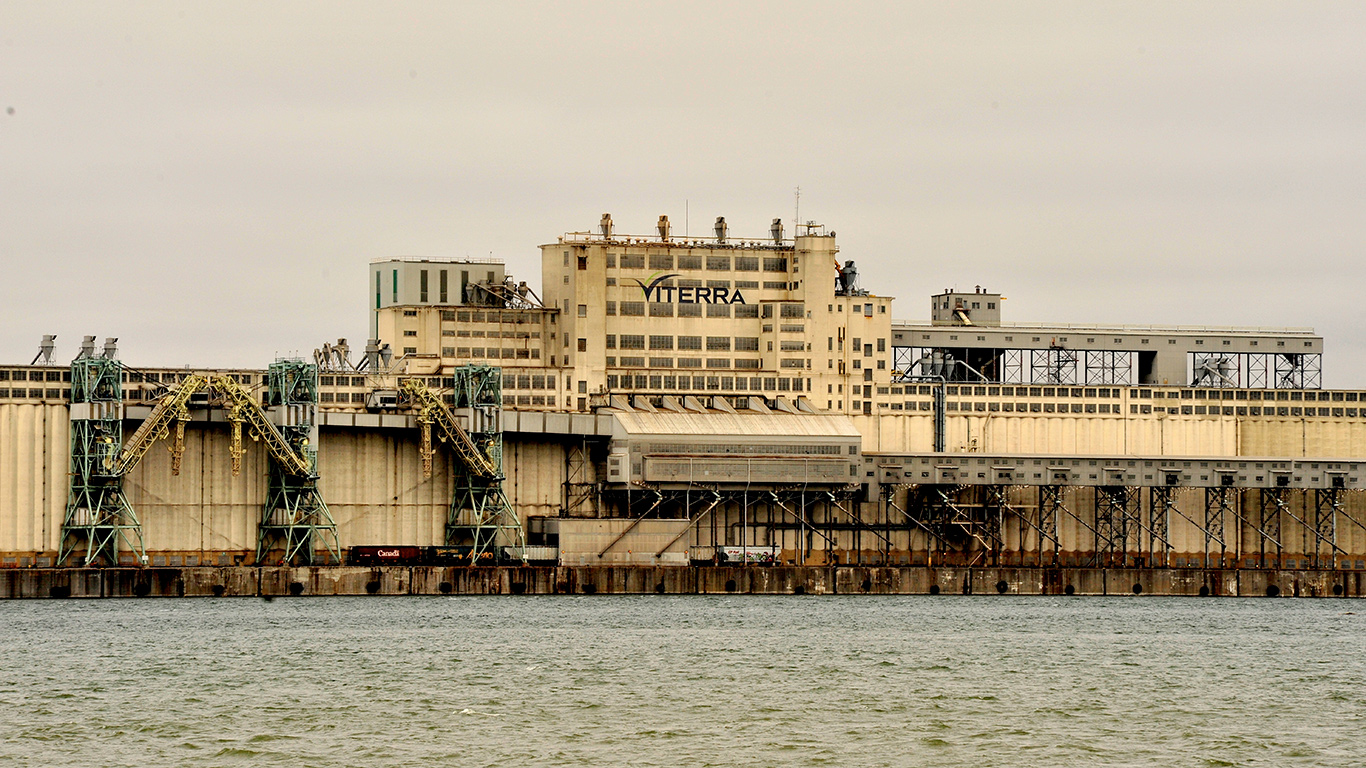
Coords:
pixel 683 681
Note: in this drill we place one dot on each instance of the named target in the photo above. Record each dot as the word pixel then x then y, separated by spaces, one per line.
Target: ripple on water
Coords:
pixel 674 681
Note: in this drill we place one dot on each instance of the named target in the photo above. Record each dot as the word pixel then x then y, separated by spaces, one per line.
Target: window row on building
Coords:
pixel 1146 394
pixel 711 262
pixel 530 381
pixel 341 381
pixel 49 375
pixel 533 317
pixel 675 383
pixel 39 393
pixel 753 364
pixel 666 342
pixel 480 334
pixel 1134 409
pixel 532 400
pixel 64 375
pixel 1060 340
pixel 342 397
pixel 492 353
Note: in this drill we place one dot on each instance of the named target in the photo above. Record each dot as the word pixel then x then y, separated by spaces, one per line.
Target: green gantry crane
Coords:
pixel 480 516
pixel 99 520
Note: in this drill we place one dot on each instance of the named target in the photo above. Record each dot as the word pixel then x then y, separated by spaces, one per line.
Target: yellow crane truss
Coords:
pixel 432 411
pixel 173 407
pixel 241 408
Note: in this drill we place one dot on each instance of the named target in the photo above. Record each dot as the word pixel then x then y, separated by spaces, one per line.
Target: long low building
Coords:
pixel 965 340
pixel 752 398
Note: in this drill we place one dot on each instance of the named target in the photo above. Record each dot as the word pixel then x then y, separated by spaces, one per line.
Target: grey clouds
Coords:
pixel 207 182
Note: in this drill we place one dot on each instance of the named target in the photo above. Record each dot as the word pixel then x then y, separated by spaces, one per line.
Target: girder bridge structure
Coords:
pixel 964 503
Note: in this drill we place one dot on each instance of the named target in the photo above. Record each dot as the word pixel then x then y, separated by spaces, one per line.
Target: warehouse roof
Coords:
pixel 718 423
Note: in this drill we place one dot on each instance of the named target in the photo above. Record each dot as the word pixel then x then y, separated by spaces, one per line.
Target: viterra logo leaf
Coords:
pixel 653 287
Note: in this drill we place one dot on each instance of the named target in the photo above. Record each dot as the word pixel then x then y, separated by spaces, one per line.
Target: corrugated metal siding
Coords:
pixel 372 478
pixel 717 423
pixel 33 475
pixel 1082 434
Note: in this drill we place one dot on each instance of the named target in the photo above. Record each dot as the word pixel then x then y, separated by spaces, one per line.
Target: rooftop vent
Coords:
pixel 45 349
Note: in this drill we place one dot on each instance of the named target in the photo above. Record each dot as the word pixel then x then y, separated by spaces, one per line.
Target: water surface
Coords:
pixel 683 681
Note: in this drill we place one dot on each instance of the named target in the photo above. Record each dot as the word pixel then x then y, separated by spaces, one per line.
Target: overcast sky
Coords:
pixel 208 181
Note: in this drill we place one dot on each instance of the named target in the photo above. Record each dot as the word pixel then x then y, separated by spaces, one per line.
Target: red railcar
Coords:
pixel 385 556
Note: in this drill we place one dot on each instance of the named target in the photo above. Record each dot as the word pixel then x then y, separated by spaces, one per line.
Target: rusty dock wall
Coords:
pixel 19 583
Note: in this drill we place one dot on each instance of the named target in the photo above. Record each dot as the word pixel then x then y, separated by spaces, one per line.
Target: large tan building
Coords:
pixel 651 316
pixel 435 315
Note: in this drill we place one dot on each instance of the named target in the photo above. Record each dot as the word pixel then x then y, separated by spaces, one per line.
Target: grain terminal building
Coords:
pixel 663 400
pixel 630 315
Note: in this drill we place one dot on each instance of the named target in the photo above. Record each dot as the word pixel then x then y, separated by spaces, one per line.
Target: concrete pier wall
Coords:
pixel 47 583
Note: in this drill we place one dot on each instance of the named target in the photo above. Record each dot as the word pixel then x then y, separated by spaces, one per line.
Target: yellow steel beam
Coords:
pixel 171 407
pixel 431 410
pixel 242 408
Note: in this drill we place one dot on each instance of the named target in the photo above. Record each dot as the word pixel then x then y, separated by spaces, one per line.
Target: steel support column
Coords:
pixel 98 516
pixel 1271 502
pixel 1327 505
pixel 295 519
pixel 1052 500
pixel 1117 517
pixel 1161 502
pixel 1220 502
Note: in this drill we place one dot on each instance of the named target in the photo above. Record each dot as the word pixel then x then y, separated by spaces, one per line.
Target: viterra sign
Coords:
pixel 656 291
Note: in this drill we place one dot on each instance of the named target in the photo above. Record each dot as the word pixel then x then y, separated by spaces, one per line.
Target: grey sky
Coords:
pixel 207 182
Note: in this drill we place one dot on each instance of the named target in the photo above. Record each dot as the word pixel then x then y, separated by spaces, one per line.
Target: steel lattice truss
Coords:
pixel 480 516
pixel 99 522
pixel 99 516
